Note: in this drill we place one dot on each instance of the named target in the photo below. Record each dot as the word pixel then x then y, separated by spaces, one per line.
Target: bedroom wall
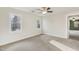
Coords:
pixel 55 25
pixel 29 26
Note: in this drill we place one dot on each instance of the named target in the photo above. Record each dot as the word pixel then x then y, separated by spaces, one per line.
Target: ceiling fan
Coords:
pixel 44 10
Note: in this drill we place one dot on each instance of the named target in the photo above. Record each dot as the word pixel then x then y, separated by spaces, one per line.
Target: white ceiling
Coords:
pixel 55 10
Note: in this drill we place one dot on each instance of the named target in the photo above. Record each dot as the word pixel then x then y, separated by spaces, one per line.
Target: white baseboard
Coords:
pixel 25 37
pixel 65 37
pixel 28 36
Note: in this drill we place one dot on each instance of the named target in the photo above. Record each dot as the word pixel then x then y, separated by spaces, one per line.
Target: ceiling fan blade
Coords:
pixel 39 10
pixel 49 11
pixel 36 11
pixel 48 8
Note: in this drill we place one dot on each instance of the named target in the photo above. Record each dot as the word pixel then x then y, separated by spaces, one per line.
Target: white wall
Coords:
pixel 29 27
pixel 55 25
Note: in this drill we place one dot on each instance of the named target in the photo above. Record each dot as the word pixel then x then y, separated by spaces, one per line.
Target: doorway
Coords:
pixel 73 21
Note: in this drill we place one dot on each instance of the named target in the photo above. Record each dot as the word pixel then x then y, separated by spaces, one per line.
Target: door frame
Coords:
pixel 67 22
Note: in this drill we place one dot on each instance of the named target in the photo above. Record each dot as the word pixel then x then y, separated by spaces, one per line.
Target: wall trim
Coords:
pixel 64 37
pixel 24 38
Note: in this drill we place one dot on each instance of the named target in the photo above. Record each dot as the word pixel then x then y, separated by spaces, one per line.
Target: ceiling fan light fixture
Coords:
pixel 73 19
pixel 44 12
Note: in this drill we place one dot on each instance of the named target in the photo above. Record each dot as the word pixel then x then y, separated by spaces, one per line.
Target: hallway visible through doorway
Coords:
pixel 74 27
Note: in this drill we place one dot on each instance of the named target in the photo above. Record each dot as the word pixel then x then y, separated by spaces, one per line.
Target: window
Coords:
pixel 15 23
pixel 38 24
